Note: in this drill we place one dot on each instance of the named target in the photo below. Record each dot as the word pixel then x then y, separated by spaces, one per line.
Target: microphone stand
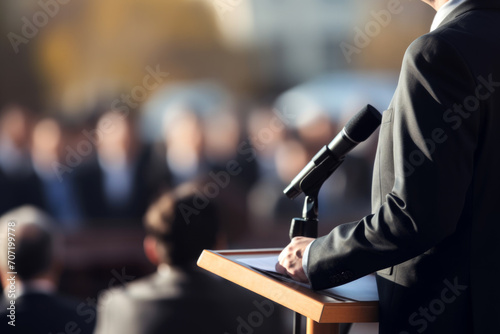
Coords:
pixel 307 226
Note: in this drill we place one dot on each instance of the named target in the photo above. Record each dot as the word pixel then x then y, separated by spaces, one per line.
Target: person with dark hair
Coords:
pixel 176 236
pixel 180 297
pixel 30 303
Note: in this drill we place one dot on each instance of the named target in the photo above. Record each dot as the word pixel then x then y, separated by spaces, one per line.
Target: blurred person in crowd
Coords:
pixel 179 156
pixel 232 167
pixel 315 128
pixel 180 297
pixel 266 129
pixel 271 210
pixel 32 291
pixel 291 156
pixel 15 164
pixel 112 185
pixel 224 137
pixel 51 185
pixel 14 141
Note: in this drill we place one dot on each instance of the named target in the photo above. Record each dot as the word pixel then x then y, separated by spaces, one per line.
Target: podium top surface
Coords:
pixel 315 305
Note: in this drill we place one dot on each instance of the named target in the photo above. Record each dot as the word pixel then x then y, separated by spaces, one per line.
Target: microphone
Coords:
pixel 329 158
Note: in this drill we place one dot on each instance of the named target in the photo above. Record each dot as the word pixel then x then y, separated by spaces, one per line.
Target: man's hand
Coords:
pixel 290 259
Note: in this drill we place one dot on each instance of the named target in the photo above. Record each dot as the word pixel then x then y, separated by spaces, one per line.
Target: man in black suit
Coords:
pixel 180 297
pixel 30 303
pixel 432 236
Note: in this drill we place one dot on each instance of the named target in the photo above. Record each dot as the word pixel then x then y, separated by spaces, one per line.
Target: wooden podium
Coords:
pixel 324 313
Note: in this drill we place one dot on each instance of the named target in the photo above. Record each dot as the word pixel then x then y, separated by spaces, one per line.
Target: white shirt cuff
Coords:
pixel 305 258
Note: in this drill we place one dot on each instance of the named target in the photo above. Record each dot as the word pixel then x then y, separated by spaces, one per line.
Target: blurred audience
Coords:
pixel 38 250
pixel 247 157
pixel 179 291
pixel 97 175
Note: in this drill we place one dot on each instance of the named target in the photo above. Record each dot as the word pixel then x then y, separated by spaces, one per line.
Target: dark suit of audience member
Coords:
pixel 158 176
pixel 112 198
pixel 15 162
pixel 180 297
pixel 13 189
pixel 38 307
pixel 111 186
pixel 50 186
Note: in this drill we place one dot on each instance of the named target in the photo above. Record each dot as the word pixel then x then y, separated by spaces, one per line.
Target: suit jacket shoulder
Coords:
pixel 180 302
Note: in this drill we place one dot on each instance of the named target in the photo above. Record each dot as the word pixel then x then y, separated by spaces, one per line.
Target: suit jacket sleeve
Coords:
pixel 426 155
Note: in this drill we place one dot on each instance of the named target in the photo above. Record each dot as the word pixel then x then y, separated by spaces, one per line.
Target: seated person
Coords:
pixel 181 297
pixel 37 307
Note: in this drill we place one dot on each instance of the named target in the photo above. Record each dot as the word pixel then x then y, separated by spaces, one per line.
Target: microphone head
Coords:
pixel 363 124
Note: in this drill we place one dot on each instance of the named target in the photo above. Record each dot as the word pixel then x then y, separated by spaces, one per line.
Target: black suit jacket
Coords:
pixel 43 313
pixel 90 189
pixel 184 301
pixel 435 225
